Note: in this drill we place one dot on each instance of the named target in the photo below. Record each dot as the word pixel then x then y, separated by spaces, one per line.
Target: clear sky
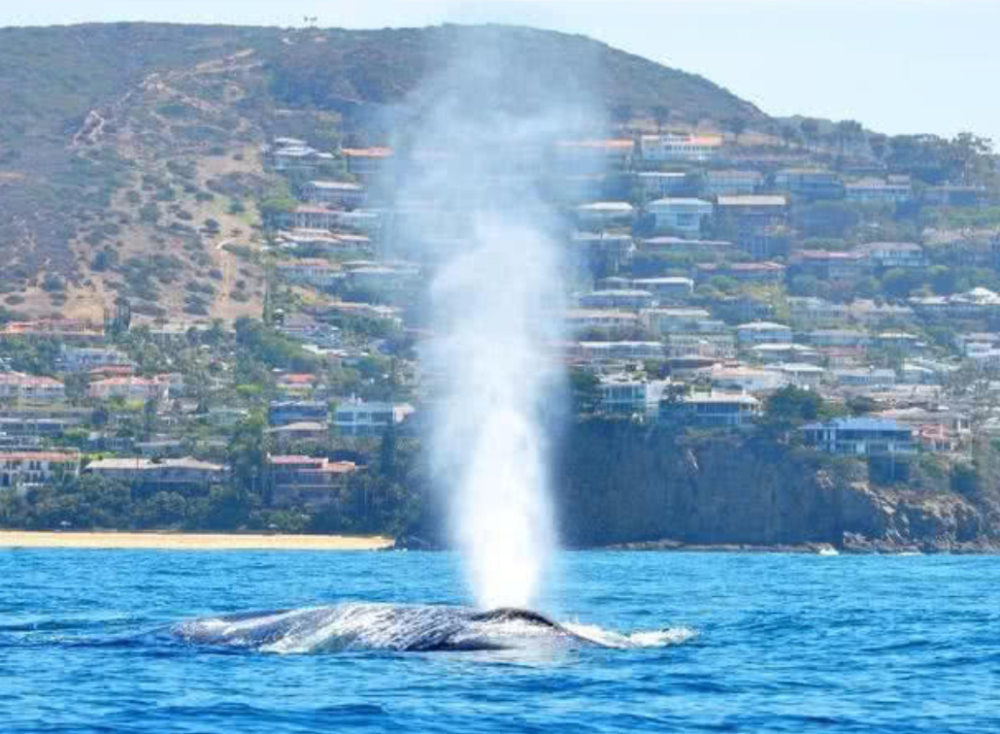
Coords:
pixel 895 65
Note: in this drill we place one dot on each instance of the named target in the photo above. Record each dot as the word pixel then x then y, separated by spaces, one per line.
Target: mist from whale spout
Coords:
pixel 489 443
pixel 497 302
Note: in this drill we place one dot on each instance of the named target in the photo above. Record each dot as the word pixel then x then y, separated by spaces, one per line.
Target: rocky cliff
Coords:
pixel 620 482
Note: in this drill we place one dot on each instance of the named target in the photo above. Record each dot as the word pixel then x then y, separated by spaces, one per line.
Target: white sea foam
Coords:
pixel 649 638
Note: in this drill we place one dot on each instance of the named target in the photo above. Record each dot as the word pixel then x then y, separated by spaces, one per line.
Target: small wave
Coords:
pixel 639 639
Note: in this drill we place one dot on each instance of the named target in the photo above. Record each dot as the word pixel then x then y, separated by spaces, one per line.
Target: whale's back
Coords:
pixel 379 627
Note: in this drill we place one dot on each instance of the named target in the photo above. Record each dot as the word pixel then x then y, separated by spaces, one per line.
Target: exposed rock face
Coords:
pixel 622 483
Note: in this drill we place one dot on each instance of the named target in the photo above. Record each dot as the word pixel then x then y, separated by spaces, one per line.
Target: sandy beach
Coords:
pixel 189 541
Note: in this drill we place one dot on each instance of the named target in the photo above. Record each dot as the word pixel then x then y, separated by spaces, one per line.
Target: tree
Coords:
pixel 942 279
pixel 661 114
pixel 972 158
pixel 736 125
pixel 149 417
pixel 827 219
pixel 899 282
pixel 879 145
pixel 848 131
pixel 248 453
pixel 790 134
pixel 810 129
pixel 584 391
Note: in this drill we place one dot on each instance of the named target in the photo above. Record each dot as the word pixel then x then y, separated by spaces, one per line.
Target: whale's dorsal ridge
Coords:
pixel 503 614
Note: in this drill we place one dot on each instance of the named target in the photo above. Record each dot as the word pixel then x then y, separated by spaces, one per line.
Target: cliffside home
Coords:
pixel 860 437
pixel 712 410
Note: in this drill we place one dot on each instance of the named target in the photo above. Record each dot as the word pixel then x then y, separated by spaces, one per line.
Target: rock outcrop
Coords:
pixel 622 483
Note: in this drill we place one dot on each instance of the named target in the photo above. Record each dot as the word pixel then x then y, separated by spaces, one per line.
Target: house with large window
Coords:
pixel 600 215
pixel 360 419
pixel 809 183
pixel 763 332
pixel 877 190
pixel 334 193
pixel 626 298
pixel 683 215
pixel 860 437
pixel 885 255
pixel 680 146
pixel 711 410
pixel 629 396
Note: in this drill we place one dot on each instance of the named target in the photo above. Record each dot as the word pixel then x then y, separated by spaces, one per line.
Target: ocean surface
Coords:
pixel 699 642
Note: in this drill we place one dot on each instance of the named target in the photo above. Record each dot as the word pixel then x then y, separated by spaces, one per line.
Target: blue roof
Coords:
pixel 858 424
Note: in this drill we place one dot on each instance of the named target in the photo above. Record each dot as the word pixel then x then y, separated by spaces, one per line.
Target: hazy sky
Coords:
pixel 895 65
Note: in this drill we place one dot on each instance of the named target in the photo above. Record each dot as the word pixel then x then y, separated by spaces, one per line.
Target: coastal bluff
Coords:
pixel 623 483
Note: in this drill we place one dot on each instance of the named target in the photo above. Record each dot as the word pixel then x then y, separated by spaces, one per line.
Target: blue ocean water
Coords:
pixel 783 643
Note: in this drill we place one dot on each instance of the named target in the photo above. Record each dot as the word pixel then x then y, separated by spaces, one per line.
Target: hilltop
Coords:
pixel 130 154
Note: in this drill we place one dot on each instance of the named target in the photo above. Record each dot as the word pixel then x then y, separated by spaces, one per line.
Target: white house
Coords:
pixel 865 377
pixel 860 437
pixel 334 193
pixel 129 388
pixel 622 394
pixel 893 254
pixel 763 332
pixel 163 474
pixel 617 351
pixel 83 359
pixel 678 146
pixel 357 418
pixel 310 271
pixel 877 190
pixel 712 410
pixel 801 375
pixel 657 184
pixel 667 287
pixel 623 298
pixel 581 319
pixel 682 215
pixel 600 215
pixel 744 379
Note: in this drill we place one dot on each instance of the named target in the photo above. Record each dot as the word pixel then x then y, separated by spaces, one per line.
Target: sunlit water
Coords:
pixel 755 643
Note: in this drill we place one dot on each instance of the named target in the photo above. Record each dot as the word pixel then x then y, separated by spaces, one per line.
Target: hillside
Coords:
pixel 130 153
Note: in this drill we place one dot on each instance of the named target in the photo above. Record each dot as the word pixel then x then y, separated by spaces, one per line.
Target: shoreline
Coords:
pixel 110 540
